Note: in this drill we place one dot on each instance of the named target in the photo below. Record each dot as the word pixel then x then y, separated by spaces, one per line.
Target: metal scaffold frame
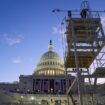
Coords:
pixel 84 52
pixel 85 43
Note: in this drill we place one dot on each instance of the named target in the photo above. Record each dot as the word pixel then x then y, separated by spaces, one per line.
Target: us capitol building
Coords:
pixel 48 78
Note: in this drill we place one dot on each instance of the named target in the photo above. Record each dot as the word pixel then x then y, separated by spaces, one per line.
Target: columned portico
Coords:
pixel 50 86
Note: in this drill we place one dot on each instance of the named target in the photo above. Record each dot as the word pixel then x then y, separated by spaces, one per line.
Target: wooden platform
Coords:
pixel 89 38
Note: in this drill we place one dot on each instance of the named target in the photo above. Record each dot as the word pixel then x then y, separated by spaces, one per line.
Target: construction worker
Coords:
pixel 84 13
pixel 69 14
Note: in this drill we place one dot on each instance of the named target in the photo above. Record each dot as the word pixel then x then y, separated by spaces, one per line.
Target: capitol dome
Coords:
pixel 50 63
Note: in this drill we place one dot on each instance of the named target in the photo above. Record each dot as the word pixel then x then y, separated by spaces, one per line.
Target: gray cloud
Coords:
pixel 103 21
pixel 11 39
pixel 58 29
pixel 16 60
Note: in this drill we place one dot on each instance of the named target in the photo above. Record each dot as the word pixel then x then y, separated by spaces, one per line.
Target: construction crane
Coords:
pixel 85 40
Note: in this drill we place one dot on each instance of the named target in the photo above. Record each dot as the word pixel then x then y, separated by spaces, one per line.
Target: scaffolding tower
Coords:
pixel 85 40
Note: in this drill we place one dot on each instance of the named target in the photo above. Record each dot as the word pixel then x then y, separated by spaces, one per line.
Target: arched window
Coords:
pixel 45 72
pixel 52 72
pixel 48 63
pixel 48 72
pixel 53 62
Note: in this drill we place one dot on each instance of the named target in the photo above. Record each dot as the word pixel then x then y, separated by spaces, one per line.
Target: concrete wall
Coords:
pixel 13 87
pixel 26 84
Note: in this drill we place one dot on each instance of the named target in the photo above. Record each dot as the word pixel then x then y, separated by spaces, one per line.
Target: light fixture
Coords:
pixel 32 98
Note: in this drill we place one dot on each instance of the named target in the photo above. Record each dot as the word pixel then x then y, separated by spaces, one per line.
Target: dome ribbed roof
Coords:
pixel 50 63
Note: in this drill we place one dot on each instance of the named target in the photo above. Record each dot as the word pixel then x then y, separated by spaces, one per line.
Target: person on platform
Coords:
pixel 84 13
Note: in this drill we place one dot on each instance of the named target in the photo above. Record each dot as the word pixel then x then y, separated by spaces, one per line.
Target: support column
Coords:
pixel 64 86
pixel 77 66
pixel 54 86
pixel 33 85
pixel 60 85
pixel 43 86
pixel 67 84
pixel 40 85
pixel 48 85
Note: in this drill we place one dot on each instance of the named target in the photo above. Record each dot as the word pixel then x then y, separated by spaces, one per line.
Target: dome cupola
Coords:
pixel 50 46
